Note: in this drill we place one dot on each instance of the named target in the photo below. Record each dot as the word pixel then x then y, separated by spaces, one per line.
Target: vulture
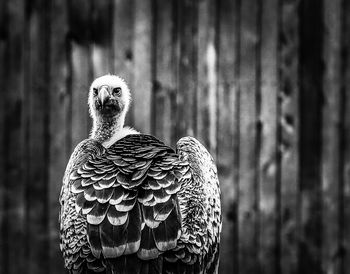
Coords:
pixel 131 204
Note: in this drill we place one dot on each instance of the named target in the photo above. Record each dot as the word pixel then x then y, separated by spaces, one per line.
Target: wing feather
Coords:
pixel 127 197
pixel 98 213
pixel 200 208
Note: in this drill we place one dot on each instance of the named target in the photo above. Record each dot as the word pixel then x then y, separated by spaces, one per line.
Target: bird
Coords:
pixel 129 203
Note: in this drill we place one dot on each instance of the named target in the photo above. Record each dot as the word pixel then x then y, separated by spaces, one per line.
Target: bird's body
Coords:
pixel 131 204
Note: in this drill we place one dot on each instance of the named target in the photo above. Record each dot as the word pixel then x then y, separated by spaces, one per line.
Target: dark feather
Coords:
pixel 113 239
pixel 148 249
pixel 98 177
pixel 148 216
pixel 89 194
pixel 168 232
pixel 94 240
pixel 164 182
pixel 116 217
pixel 119 162
pixel 87 207
pixel 97 214
pixel 173 188
pixel 125 205
pixel 153 184
pixel 145 195
pixel 162 211
pixel 104 195
pixel 134 230
pixel 86 182
pixel 79 202
pixel 122 178
pixel 107 183
pixel 160 195
pixel 118 195
pixel 76 187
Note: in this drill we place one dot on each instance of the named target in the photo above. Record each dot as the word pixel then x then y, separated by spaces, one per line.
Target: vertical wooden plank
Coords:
pixel 268 204
pixel 123 24
pixel 207 74
pixel 311 31
pixel 81 80
pixel 38 117
pixel 2 164
pixel 14 237
pixel 80 68
pixel 187 68
pixel 3 45
pixel 227 131
pixel 59 125
pixel 248 199
pixel 101 43
pixel 102 58
pixel 164 97
pixel 345 143
pixel 288 131
pixel 142 92
pixel 331 258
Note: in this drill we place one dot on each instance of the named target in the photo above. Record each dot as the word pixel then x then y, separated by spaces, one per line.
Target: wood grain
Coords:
pixel 142 91
pixel 268 160
pixel 207 74
pixel 14 140
pixel 228 130
pixel 311 51
pixel 344 143
pixel 101 51
pixel 288 136
pixel 3 209
pixel 165 71
pixel 59 125
pixel 263 84
pixel 187 68
pixel 248 178
pixel 80 83
pixel 38 103
pixel 122 45
pixel 331 187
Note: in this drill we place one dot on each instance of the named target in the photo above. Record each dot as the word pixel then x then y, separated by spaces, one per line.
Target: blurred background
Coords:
pixel 264 84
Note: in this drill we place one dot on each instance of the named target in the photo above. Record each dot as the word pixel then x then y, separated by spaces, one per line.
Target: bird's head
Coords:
pixel 109 97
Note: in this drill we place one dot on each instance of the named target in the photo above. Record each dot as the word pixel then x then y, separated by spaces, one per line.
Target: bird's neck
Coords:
pixel 105 129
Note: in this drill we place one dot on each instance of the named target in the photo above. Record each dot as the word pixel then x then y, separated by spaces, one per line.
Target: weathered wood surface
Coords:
pixel 14 146
pixel 263 84
pixel 3 32
pixel 311 101
pixel 331 136
pixel 165 71
pixel 228 130
pixel 344 167
pixel 267 113
pixel 288 136
pixel 37 141
pixel 249 141
pixel 59 123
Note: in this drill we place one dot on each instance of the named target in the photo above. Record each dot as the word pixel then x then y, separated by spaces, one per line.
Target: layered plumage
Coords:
pixel 131 204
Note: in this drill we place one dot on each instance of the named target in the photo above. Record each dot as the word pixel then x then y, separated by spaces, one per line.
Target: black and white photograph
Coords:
pixel 174 136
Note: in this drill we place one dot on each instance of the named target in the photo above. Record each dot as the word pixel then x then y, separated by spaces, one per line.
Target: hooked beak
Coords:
pixel 103 96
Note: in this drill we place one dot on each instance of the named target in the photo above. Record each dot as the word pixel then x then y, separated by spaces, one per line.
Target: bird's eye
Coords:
pixel 117 91
pixel 95 91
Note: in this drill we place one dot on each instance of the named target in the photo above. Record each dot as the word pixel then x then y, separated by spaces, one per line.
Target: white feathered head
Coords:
pixel 109 96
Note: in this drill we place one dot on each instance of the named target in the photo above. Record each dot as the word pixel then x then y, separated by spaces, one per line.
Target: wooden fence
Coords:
pixel 264 84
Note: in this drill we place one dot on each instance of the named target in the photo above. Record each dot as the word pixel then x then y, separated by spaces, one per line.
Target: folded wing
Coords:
pixel 128 197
